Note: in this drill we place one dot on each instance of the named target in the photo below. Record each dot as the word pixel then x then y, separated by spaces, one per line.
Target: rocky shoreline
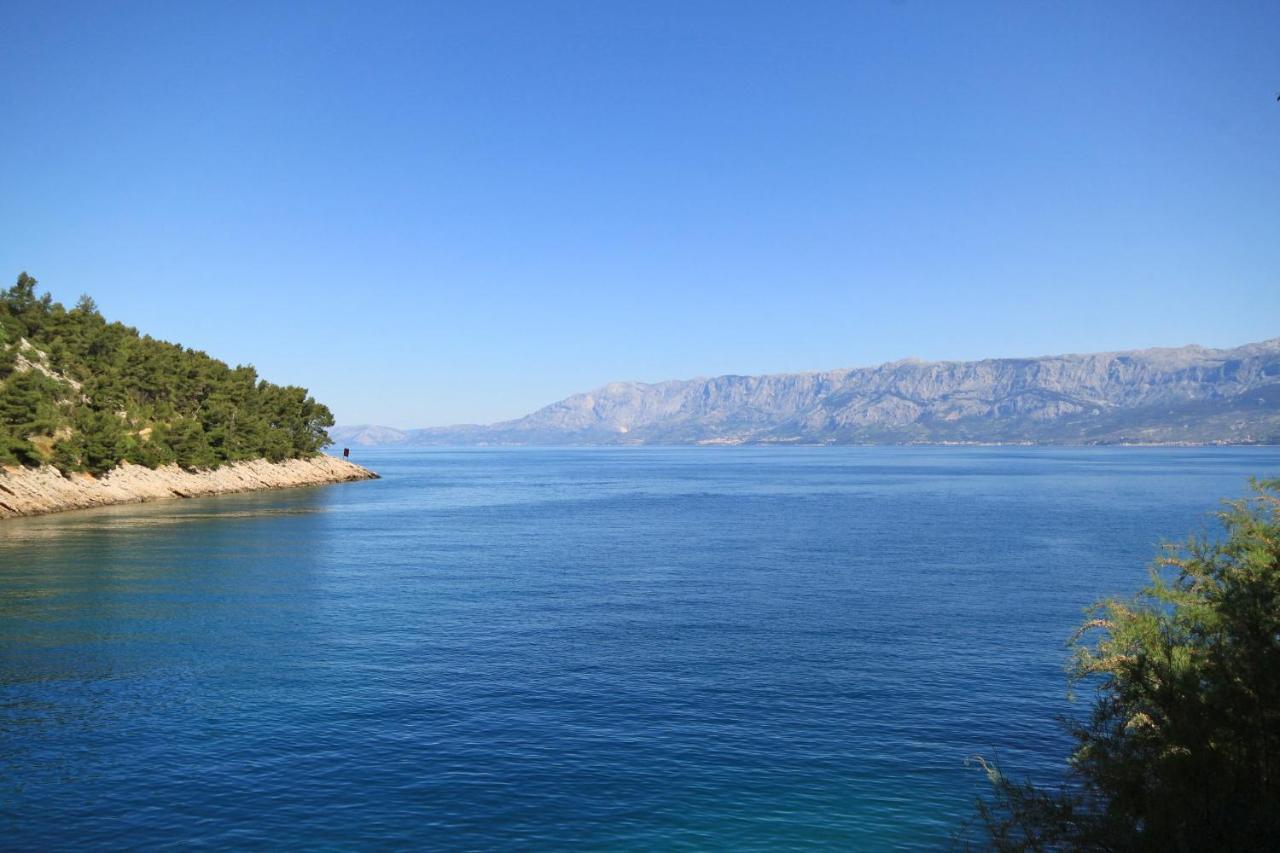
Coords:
pixel 37 491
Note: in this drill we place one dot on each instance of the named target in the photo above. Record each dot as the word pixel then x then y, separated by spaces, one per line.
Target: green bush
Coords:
pixel 1182 749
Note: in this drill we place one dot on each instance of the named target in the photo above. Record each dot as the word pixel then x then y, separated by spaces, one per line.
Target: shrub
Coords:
pixel 1182 749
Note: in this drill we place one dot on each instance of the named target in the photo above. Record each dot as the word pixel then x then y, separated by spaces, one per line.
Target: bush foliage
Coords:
pixel 85 394
pixel 1182 750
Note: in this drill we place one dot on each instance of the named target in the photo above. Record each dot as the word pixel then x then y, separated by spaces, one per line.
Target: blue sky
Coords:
pixel 436 213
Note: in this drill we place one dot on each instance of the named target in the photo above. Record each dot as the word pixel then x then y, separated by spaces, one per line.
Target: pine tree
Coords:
pixel 138 399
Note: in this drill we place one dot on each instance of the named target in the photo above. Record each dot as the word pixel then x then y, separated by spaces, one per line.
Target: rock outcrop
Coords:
pixel 34 491
pixel 1184 395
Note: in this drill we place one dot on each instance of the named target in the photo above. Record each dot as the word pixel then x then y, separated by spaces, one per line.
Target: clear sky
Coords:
pixel 434 213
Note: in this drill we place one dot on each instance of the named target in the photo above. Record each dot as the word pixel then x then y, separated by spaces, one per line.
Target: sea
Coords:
pixel 609 649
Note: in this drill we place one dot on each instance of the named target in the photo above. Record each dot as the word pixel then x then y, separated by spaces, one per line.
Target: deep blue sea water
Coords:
pixel 603 648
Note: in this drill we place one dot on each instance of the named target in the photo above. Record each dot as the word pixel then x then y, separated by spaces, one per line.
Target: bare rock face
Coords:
pixel 34 491
pixel 1182 395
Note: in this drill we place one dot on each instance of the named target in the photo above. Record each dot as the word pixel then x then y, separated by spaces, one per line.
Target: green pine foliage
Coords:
pixel 84 394
pixel 1182 750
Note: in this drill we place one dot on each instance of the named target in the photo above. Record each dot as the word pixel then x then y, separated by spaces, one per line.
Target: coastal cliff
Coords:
pixel 36 491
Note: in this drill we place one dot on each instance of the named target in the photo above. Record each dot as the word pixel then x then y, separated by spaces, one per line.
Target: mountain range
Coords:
pixel 1182 395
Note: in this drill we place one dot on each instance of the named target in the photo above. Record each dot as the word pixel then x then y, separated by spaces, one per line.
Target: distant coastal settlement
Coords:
pixel 120 416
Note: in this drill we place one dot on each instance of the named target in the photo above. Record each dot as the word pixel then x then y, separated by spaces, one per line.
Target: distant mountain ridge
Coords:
pixel 1183 395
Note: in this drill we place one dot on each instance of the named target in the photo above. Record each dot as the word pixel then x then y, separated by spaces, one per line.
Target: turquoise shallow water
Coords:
pixel 640 648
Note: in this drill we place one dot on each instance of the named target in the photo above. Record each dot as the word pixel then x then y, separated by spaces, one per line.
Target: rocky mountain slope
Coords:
pixel 1177 395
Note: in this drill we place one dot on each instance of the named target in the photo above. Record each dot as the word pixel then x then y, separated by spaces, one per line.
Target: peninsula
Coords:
pixel 95 413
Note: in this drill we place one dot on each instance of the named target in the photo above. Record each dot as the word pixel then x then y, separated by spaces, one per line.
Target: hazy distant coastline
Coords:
pixel 1187 395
